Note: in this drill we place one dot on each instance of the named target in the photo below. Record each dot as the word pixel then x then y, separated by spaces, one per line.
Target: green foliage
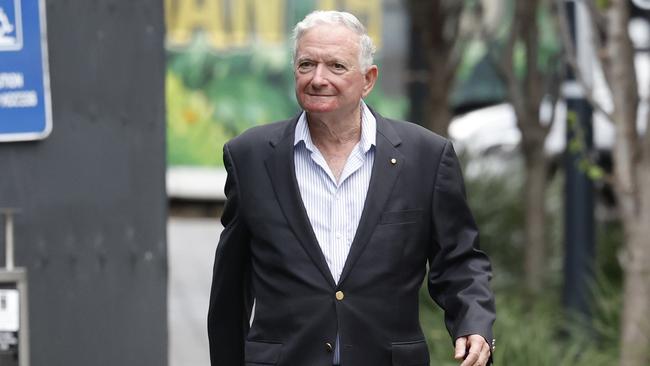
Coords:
pixel 544 336
pixel 610 239
pixel 539 333
pixel 246 88
pixel 578 146
pixel 390 107
pixel 593 171
pixel 193 138
pixel 501 217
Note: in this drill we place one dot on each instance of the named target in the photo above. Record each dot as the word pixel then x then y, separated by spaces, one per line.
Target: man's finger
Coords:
pixel 485 355
pixel 461 348
pixel 476 345
pixel 470 360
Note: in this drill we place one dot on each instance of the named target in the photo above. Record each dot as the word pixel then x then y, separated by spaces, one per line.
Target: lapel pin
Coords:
pixel 393 161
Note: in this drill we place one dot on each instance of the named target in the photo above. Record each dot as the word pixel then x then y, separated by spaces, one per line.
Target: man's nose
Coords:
pixel 320 76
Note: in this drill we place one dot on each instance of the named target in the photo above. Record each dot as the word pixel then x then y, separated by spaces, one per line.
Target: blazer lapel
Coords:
pixel 385 170
pixel 280 167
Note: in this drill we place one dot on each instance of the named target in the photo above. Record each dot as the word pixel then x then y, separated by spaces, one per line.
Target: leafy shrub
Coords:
pixel 539 333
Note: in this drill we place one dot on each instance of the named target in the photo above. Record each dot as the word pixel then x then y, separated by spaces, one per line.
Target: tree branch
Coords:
pixel 533 76
pixel 506 68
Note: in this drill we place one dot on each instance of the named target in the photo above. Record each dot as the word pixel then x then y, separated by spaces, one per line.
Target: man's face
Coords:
pixel 327 71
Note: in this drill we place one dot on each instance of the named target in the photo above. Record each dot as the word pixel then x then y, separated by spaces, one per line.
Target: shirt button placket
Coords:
pixel 339 222
pixel 333 240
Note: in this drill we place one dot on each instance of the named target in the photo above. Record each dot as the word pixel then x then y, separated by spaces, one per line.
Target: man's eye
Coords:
pixel 338 66
pixel 305 65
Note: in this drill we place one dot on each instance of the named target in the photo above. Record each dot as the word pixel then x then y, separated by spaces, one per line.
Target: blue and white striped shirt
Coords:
pixel 334 208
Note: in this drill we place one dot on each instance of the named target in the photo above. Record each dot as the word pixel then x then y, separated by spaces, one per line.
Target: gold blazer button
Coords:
pixel 339 295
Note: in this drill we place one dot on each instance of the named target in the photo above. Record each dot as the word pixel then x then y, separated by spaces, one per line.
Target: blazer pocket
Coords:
pixel 262 353
pixel 413 353
pixel 401 217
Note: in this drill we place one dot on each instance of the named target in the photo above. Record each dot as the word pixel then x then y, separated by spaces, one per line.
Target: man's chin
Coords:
pixel 319 108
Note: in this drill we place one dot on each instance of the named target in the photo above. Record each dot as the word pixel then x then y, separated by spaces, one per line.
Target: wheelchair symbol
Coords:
pixel 10 28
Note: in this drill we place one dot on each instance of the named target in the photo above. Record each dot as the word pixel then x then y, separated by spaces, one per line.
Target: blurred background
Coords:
pixel 112 203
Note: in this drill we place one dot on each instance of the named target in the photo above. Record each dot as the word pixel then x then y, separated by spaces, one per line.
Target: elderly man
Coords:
pixel 330 220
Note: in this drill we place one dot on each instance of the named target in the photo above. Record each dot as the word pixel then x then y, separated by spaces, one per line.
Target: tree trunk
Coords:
pixel 439 116
pixel 632 186
pixel 525 94
pixel 535 196
pixel 635 327
pixel 437 23
pixel 635 324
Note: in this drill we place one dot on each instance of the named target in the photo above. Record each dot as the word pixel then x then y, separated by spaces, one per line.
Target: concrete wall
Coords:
pixel 92 229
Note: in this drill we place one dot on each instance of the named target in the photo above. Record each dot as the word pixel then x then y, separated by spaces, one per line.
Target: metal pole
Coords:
pixel 9 237
pixel 579 204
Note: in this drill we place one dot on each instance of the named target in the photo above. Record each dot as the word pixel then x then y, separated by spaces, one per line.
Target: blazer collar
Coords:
pixel 386 167
pixel 281 169
pixel 385 170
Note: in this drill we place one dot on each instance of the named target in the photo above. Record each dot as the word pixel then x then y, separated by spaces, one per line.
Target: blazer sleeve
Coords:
pixel 459 271
pixel 230 300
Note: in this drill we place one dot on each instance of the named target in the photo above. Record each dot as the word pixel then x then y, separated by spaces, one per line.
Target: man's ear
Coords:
pixel 370 78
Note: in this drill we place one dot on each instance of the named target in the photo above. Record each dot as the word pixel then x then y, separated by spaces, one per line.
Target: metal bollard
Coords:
pixel 14 340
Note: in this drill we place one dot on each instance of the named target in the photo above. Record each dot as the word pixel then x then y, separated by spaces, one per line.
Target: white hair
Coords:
pixel 331 17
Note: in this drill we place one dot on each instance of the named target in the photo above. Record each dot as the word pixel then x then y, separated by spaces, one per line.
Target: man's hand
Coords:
pixel 475 348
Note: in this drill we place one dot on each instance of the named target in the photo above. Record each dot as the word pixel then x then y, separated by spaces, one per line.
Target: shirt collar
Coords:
pixel 368 130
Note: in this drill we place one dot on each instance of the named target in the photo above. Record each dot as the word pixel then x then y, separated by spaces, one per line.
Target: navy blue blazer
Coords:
pixel 415 214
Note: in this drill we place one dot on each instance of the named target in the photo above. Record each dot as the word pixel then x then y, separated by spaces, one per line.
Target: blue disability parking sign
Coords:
pixel 25 108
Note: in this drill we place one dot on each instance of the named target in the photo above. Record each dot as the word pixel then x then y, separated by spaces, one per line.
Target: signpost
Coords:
pixel 25 107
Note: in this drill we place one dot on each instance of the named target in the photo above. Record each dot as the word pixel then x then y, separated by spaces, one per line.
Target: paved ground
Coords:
pixel 191 245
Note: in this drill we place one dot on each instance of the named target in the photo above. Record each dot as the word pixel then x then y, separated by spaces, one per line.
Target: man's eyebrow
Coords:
pixel 338 61
pixel 327 60
pixel 335 59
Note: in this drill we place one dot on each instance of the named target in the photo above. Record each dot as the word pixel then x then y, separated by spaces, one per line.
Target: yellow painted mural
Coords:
pixel 236 24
